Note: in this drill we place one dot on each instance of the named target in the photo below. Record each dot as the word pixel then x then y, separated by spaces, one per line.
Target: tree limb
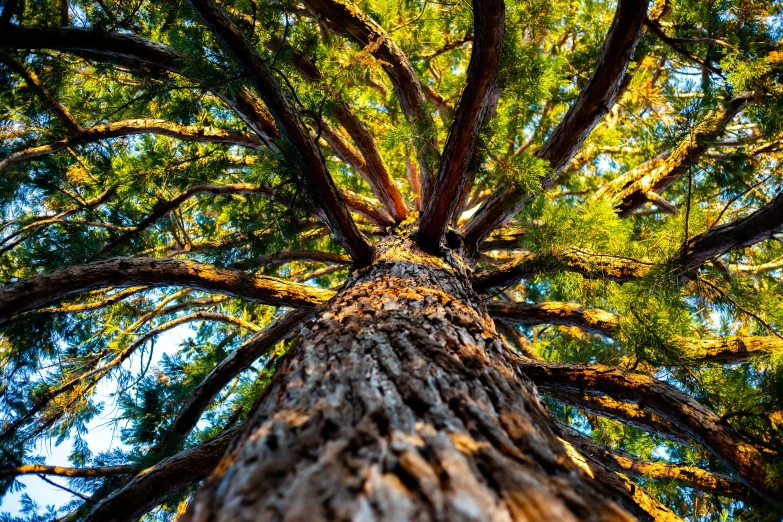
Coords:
pixel 696 420
pixel 595 100
pixel 590 320
pixel 154 485
pixel 690 476
pixel 236 362
pixel 36 469
pixel 756 227
pixel 443 200
pixel 121 272
pixel 315 177
pixel 345 18
pixel 135 127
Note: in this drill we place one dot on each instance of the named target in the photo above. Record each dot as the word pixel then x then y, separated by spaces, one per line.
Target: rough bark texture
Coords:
pixel 400 403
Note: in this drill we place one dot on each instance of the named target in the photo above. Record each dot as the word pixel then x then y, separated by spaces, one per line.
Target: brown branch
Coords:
pixel 595 100
pixel 674 44
pixel 689 476
pixel 51 101
pixel 366 207
pixel 634 188
pixel 374 170
pixel 135 127
pixel 443 200
pixel 168 206
pixel 154 485
pixel 237 362
pixel 696 420
pixel 135 52
pixel 345 18
pixel 30 469
pixel 120 272
pixel 314 175
pixel 745 232
pixel 590 265
pixel 627 413
pixel 590 320
pixel 286 256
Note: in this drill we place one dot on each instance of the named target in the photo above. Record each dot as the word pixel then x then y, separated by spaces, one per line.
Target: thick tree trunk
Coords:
pixel 400 402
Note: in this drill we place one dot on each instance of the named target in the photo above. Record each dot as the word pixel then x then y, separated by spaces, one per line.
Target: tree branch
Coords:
pixel 315 177
pixel 696 420
pixel 237 362
pixel 590 320
pixel 168 206
pixel 589 264
pixel 756 227
pixel 39 469
pixel 345 18
pixel 689 476
pixel 443 200
pixel 121 272
pixel 154 485
pixel 595 100
pixel 135 127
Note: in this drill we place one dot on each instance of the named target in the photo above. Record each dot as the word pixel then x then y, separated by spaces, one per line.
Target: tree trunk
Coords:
pixel 400 402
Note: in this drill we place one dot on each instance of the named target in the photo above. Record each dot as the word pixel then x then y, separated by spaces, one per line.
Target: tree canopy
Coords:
pixel 609 171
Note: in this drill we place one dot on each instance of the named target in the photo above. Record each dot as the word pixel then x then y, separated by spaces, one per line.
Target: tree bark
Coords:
pixel 401 403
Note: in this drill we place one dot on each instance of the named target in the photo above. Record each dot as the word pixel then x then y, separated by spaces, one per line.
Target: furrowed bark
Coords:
pixel 658 175
pixel 316 178
pixel 130 50
pixel 345 18
pixel 595 100
pixel 756 227
pixel 732 350
pixel 133 128
pixel 121 272
pixel 154 485
pixel 590 320
pixel 238 361
pixel 696 420
pixel 689 476
pixel 477 96
pixel 627 413
pixel 400 403
pixel 589 264
pixel 168 206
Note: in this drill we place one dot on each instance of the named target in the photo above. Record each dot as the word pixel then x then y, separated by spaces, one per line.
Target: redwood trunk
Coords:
pixel 400 402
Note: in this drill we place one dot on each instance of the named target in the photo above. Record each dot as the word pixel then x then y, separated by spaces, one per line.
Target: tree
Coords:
pixel 493 261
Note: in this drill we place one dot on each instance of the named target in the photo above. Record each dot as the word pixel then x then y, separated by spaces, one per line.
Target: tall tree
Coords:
pixel 489 260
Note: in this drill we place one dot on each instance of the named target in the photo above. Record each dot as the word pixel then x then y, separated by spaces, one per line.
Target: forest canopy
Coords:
pixel 608 171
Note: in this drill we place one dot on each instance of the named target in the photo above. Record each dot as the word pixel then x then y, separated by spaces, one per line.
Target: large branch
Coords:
pixel 627 413
pixel 589 264
pixel 121 272
pixel 642 183
pixel 39 469
pixel 372 169
pixel 237 362
pixel 168 206
pixel 154 485
pixel 756 227
pixel 690 476
pixel 477 96
pixel 595 100
pixel 345 18
pixel 133 128
pixel 135 52
pixel 316 178
pixel 590 320
pixel 700 423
